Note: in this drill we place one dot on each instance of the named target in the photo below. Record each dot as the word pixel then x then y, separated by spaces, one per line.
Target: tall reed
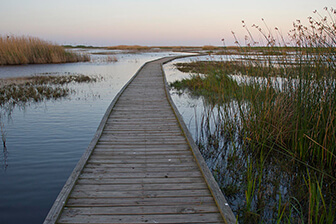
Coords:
pixel 277 110
pixel 30 50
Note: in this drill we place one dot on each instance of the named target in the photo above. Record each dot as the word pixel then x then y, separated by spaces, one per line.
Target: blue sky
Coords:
pixel 149 22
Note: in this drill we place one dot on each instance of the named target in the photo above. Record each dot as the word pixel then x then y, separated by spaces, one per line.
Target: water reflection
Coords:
pixel 5 156
pixel 4 146
pixel 47 138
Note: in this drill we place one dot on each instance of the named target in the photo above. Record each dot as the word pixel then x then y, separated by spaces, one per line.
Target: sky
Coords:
pixel 150 22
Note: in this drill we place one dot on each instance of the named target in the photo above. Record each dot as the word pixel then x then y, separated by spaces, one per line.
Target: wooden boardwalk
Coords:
pixel 142 165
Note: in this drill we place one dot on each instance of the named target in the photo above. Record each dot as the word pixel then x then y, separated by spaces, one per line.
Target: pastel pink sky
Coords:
pixel 148 22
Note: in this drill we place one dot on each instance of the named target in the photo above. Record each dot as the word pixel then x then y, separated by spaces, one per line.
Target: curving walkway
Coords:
pixel 142 165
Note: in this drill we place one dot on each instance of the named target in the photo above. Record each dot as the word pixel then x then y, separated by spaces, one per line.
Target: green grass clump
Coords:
pixel 30 50
pixel 275 128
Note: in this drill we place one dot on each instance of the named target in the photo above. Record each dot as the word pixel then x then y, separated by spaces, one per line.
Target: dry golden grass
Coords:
pixel 210 48
pixel 30 50
pixel 128 47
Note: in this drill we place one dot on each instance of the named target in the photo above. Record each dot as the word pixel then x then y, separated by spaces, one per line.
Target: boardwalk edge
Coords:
pixel 61 200
pixel 62 197
pixel 221 202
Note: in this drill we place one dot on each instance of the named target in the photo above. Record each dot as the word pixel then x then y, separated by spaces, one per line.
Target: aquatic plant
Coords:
pixel 30 50
pixel 274 123
pixel 38 88
pixel 111 59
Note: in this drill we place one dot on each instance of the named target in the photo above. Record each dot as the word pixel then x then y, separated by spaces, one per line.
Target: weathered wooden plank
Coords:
pixel 105 148
pixel 133 106
pixel 94 202
pixel 140 122
pixel 145 158
pixel 142 110
pixel 133 120
pixel 140 153
pixel 135 103
pixel 140 194
pixel 129 131
pixel 127 123
pixel 136 161
pixel 171 219
pixel 140 169
pixel 151 164
pixel 149 140
pixel 143 134
pixel 143 165
pixel 143 210
pixel 139 187
pixel 141 148
pixel 140 144
pixel 143 127
pixel 136 134
pixel 141 175
pixel 135 129
pixel 140 180
pixel 144 117
pixel 126 113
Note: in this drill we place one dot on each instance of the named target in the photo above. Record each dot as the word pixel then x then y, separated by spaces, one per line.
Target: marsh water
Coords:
pixel 45 140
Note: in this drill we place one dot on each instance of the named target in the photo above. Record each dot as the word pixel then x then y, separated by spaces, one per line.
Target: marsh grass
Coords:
pixel 38 88
pixel 29 50
pixel 111 59
pixel 276 128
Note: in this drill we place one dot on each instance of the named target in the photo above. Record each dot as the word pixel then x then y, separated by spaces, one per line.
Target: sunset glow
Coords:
pixel 148 22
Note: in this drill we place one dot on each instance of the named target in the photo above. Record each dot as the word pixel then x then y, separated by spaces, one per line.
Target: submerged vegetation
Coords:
pixel 38 88
pixel 270 127
pixel 30 50
pixel 22 91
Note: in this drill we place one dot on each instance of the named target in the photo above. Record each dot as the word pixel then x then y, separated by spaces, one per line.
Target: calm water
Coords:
pixel 46 140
